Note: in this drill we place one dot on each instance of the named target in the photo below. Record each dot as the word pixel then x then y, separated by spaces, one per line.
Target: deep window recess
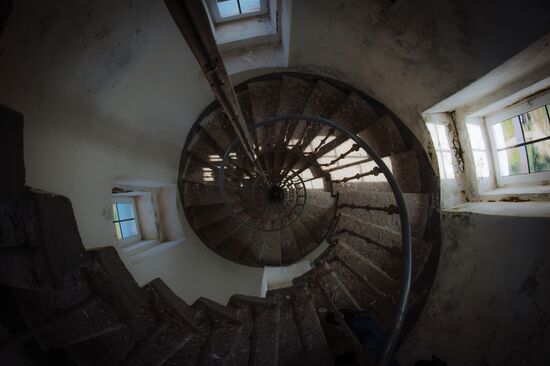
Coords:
pixel 520 139
pixel 124 219
pixel 226 10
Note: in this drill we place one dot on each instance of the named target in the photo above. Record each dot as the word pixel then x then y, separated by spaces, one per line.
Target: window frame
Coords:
pixel 126 199
pixel 502 115
pixel 218 19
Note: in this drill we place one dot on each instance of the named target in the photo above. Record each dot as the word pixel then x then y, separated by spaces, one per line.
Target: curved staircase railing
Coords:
pixel 279 201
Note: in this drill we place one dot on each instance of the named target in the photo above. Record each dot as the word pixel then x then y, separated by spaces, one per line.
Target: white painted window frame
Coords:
pixel 127 199
pixel 497 117
pixel 218 19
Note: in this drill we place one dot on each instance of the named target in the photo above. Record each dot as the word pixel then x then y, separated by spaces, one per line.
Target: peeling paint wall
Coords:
pixel 409 54
pixel 489 303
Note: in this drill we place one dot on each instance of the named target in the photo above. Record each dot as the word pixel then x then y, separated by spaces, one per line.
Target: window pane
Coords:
pixel 125 211
pixel 513 161
pixel 535 124
pixel 128 228
pixel 539 156
pixel 508 133
pixel 115 213
pixel 117 229
pixel 228 8
pixel 248 6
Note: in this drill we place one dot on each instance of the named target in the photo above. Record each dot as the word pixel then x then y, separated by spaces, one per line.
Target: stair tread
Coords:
pixel 202 216
pixel 196 194
pixel 219 231
pixel 290 345
pixel 263 248
pixel 265 315
pixel 264 98
pixel 313 338
pixel 218 309
pixel 387 250
pixel 406 171
pixel 294 93
pixel 355 113
pixel 219 128
pixel 364 267
pixel 324 100
pixel 417 207
pixel 306 243
pixel 383 137
pixel 290 253
pixel 178 306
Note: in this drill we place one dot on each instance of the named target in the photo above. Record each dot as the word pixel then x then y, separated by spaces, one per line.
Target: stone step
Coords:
pixel 294 94
pixel 111 349
pixel 309 326
pixel 263 248
pixel 290 252
pixel 306 243
pixel 417 208
pixel 44 224
pixel 196 194
pixel 355 114
pixel 204 147
pixel 202 216
pixel 335 290
pixel 264 98
pixel 198 171
pixel 219 128
pixel 381 283
pixel 73 314
pixel 177 306
pixel 225 327
pixel 108 276
pixel 380 306
pixel 331 296
pixel 291 349
pixel 243 97
pixel 264 339
pixel 217 232
pixel 232 247
pixel 406 171
pixel 383 137
pixel 218 310
pixel 178 325
pixel 385 246
pixel 324 100
pixel 242 341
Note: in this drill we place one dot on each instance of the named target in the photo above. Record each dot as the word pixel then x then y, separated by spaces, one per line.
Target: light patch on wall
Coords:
pixel 438 132
pixel 479 149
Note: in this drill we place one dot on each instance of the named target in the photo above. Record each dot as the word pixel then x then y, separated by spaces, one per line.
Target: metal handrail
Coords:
pixel 399 199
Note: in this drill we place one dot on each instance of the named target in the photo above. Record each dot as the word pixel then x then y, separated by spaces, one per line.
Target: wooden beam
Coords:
pixel 193 22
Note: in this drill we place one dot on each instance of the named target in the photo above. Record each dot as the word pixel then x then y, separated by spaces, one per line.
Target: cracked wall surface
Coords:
pixel 489 303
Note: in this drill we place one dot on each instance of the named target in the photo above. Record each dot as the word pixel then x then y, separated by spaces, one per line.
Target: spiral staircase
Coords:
pixel 318 165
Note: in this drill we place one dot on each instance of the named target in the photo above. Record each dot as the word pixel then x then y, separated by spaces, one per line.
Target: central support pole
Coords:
pixel 192 20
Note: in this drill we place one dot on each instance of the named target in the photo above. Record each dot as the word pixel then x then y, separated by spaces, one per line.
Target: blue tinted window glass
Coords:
pixel 228 8
pixel 128 228
pixel 125 211
pixel 249 6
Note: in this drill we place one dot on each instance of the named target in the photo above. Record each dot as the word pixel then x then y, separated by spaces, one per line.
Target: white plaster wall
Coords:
pixel 109 89
pixel 490 300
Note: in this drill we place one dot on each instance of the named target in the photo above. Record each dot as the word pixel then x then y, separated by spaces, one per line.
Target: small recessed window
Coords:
pixel 124 219
pixel 520 140
pixel 226 10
